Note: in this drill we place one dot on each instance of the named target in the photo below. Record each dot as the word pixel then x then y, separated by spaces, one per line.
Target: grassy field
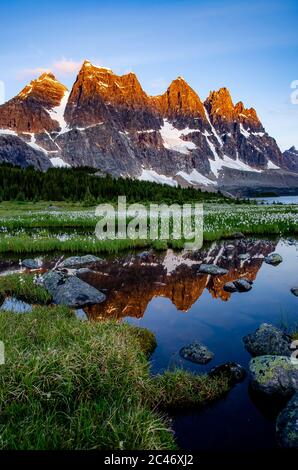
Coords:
pixel 49 227
pixel 68 384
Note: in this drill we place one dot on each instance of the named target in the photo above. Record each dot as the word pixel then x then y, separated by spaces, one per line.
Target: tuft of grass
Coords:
pixel 295 335
pixel 23 288
pixel 68 384
pixel 72 385
pixel 182 389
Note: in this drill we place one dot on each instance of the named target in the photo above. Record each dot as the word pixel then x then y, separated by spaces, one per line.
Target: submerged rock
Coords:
pixel 234 371
pixel 274 375
pixel 268 340
pixel 71 291
pixel 11 304
pixel 273 259
pixel 287 425
pixel 294 291
pixel 30 264
pixel 197 353
pixel 74 261
pixel 212 269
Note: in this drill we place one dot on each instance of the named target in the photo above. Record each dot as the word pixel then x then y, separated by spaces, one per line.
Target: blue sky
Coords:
pixel 249 47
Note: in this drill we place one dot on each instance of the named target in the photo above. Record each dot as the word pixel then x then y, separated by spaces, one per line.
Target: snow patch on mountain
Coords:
pixel 57 114
pixel 272 166
pixel 154 177
pixel 172 138
pixel 59 163
pixel 196 177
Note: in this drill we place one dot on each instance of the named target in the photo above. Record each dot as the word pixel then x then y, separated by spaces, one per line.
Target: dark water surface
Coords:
pixel 163 292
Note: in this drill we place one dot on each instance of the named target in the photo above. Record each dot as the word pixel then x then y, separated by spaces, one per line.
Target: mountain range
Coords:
pixel 108 122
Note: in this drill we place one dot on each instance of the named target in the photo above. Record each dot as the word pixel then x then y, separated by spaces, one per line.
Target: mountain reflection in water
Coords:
pixel 131 282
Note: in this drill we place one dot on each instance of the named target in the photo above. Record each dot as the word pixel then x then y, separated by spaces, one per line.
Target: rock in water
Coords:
pixel 197 353
pixel 268 340
pixel 294 291
pixel 11 304
pixel 71 291
pixel 234 371
pixel 230 287
pixel 75 261
pixel 287 425
pixel 273 259
pixel 30 264
pixel 212 269
pixel 242 285
pixel 274 375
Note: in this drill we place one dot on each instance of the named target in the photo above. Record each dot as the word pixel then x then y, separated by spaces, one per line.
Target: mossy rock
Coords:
pixel 274 375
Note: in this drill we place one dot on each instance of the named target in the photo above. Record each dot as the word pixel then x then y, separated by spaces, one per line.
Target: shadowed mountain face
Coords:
pixel 107 121
pixel 132 282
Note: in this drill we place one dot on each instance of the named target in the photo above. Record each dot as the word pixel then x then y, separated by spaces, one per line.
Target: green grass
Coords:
pixel 24 288
pixel 29 230
pixel 68 384
pixel 295 335
pixel 182 389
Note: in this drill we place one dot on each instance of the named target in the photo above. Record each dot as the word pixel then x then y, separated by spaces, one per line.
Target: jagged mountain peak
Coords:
pixel 219 104
pixel 45 89
pixel 179 99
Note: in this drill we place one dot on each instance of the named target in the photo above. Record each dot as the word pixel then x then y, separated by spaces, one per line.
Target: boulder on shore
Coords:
pixel 274 375
pixel 30 264
pixel 76 261
pixel 287 425
pixel 268 340
pixel 71 291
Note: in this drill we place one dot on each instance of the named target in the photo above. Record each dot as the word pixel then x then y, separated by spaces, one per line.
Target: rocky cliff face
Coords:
pixel 291 159
pixel 109 122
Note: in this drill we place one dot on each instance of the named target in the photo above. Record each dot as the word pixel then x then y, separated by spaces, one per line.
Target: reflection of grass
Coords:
pixel 23 288
pixel 79 385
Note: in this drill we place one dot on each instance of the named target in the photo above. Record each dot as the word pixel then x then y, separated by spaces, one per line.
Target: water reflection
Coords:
pixel 131 282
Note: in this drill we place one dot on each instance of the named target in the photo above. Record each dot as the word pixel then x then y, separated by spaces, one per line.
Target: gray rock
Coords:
pixel 274 375
pixel 212 269
pixel 294 291
pixel 242 285
pixel 273 259
pixel 230 287
pixel 268 340
pixel 234 371
pixel 75 261
pixel 30 264
pixel 197 353
pixel 287 425
pixel 71 291
pixel 84 271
